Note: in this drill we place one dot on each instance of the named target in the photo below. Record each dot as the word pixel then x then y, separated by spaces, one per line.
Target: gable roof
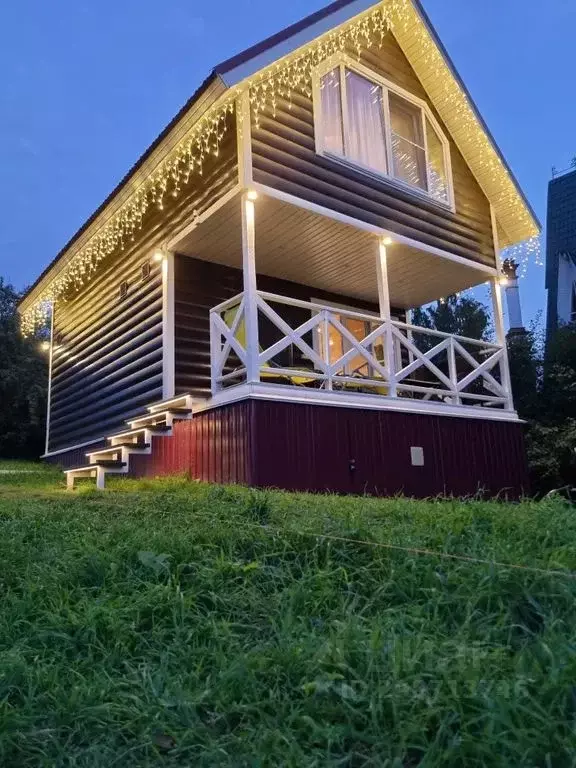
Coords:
pixel 419 41
pixel 426 54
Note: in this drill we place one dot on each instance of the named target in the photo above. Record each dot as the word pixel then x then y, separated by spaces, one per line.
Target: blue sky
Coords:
pixel 86 86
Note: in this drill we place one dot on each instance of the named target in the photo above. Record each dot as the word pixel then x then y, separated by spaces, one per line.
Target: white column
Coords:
pixel 244 139
pixel 501 337
pixel 49 396
pixel 514 307
pixel 250 295
pixel 168 356
pixel 510 269
pixel 385 314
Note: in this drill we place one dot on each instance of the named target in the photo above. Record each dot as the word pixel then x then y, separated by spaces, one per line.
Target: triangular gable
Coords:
pixel 426 54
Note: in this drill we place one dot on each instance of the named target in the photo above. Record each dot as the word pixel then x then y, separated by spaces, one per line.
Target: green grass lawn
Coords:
pixel 170 623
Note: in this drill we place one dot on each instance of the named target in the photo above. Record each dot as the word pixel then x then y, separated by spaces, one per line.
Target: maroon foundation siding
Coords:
pixel 213 447
pixel 315 448
pixel 318 448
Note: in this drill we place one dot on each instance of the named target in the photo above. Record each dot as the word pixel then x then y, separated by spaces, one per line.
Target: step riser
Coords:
pixel 121 454
pixel 99 473
pixel 162 417
pixel 147 433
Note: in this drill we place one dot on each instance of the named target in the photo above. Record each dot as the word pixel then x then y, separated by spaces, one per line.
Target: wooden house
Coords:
pixel 239 308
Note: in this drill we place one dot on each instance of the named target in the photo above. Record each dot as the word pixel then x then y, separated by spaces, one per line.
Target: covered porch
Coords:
pixel 340 330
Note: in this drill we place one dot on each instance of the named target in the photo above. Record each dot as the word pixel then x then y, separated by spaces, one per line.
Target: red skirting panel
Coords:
pixel 213 447
pixel 343 450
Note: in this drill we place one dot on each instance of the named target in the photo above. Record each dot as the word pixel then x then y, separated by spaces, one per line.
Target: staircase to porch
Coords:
pixel 156 421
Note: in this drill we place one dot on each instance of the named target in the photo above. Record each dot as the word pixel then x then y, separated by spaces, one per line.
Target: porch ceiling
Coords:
pixel 305 247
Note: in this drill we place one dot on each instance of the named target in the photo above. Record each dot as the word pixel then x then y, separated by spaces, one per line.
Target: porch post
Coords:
pixel 386 315
pixel 501 338
pixel 50 364
pixel 250 295
pixel 168 356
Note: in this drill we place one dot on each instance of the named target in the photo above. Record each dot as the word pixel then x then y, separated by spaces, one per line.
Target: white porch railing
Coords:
pixel 306 344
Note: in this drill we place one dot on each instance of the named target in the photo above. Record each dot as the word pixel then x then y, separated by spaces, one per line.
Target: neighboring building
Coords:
pixel 248 323
pixel 561 250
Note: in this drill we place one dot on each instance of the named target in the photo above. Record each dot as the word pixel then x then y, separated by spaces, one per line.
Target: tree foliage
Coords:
pixel 544 387
pixel 459 315
pixel 23 384
pixel 543 378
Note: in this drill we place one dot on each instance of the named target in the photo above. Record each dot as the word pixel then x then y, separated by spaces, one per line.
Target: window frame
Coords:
pixel 316 338
pixel 343 62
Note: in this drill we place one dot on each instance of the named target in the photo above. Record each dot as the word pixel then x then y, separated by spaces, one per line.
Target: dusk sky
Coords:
pixel 87 86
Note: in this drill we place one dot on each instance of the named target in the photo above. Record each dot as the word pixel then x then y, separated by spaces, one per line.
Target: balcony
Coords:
pixel 282 347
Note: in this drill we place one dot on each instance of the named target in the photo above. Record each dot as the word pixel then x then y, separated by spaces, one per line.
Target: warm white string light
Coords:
pixel 279 81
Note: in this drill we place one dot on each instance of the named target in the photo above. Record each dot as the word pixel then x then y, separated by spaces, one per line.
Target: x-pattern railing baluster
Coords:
pixel 291 336
pixel 330 326
pixel 359 348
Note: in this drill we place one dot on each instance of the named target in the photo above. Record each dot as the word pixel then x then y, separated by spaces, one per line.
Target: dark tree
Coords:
pixel 525 362
pixel 460 315
pixel 544 389
pixel 23 384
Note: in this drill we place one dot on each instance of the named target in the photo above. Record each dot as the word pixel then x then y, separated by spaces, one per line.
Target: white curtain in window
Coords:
pixel 408 142
pixel 366 139
pixel 437 176
pixel 332 112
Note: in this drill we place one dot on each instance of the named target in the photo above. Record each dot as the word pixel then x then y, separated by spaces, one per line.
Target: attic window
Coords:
pixel 123 291
pixel 365 121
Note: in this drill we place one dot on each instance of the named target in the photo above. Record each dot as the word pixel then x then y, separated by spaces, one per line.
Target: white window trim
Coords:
pixel 316 339
pixel 345 62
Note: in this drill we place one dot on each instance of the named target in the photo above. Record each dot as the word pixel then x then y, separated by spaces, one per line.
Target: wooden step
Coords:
pixel 142 431
pixel 109 463
pixel 180 401
pixel 139 446
pixel 137 439
pixel 97 471
pixel 166 417
pixel 119 448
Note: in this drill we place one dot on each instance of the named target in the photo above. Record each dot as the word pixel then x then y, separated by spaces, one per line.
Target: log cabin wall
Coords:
pixel 201 285
pixel 284 157
pixel 107 361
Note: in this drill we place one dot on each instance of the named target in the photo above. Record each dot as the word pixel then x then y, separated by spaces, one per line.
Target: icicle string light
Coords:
pixel 280 81
pixel 172 174
pixel 524 253
pixel 294 74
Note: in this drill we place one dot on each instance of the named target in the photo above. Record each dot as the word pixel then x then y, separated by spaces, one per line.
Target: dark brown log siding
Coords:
pixel 201 285
pixel 284 157
pixel 108 355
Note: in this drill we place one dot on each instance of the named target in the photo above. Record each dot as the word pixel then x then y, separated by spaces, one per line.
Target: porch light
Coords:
pixel 252 195
pixel 158 256
pixel 503 280
pixel 387 241
pixel 45 346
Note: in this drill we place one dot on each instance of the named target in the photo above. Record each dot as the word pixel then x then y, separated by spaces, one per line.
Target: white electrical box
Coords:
pixel 417 455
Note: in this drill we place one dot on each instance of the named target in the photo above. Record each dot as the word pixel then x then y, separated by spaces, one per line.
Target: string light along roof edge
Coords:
pixel 240 72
